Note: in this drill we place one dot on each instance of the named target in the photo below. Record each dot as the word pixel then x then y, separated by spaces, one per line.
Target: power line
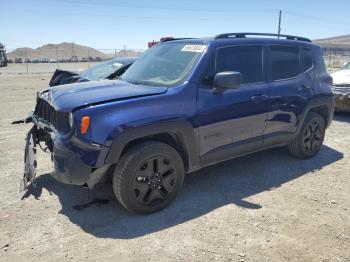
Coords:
pixel 318 19
pixel 269 11
pixel 187 9
pixel 175 18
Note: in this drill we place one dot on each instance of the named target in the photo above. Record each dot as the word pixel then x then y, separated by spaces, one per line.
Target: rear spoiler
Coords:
pixel 164 39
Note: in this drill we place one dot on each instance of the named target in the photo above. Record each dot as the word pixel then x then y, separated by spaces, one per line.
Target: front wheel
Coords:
pixel 148 177
pixel 310 137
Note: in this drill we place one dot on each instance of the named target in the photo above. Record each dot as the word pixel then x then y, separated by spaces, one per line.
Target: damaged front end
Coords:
pixel 40 136
pixel 342 97
pixel 75 161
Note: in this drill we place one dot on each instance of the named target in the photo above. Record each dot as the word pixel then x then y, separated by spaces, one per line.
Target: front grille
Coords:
pixel 47 114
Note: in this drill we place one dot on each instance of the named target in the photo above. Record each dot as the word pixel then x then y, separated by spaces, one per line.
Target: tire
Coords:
pixel 148 177
pixel 310 137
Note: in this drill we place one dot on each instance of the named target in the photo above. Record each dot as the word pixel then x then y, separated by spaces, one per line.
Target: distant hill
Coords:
pixel 65 50
pixel 342 42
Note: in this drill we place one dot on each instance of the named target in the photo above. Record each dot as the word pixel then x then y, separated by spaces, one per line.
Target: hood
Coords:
pixel 341 77
pixel 65 98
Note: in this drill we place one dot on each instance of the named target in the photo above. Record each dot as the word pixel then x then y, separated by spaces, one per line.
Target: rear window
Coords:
pixel 284 62
pixel 248 60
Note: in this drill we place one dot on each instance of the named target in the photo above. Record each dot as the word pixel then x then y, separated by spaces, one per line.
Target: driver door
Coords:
pixel 233 121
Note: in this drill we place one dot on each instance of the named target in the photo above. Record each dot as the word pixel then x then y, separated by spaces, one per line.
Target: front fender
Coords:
pixel 182 129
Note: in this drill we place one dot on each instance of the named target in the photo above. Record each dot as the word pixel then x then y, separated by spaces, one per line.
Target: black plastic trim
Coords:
pixel 183 131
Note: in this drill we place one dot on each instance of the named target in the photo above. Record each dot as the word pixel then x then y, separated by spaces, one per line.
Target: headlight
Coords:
pixel 71 120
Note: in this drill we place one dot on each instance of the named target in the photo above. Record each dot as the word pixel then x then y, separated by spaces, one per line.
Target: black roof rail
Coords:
pixel 244 35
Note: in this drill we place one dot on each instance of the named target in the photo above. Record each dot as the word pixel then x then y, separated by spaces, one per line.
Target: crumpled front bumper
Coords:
pixel 75 162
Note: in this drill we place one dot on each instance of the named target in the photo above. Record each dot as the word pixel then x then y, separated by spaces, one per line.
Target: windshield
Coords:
pixel 101 71
pixel 165 64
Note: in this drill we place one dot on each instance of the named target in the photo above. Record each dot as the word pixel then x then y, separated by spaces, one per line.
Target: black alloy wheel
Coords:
pixel 148 177
pixel 309 140
pixel 313 136
pixel 154 180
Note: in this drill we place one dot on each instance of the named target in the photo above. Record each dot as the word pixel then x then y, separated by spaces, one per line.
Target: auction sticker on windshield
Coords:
pixel 194 48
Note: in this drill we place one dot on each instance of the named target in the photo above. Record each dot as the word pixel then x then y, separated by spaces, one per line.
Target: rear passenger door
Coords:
pixel 291 85
pixel 233 120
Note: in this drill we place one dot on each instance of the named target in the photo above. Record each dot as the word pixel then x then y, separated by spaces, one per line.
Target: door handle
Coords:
pixel 258 97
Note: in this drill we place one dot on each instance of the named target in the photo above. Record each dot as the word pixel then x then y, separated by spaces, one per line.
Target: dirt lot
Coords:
pixel 40 68
pixel 264 207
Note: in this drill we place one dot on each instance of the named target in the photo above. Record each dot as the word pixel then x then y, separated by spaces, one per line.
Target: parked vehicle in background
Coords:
pixel 74 59
pixel 110 69
pixel 184 105
pixel 3 57
pixel 341 88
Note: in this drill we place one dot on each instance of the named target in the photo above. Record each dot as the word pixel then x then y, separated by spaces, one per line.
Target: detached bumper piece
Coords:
pixel 30 159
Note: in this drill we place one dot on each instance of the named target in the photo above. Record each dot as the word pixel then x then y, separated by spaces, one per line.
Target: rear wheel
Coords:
pixel 148 177
pixel 310 138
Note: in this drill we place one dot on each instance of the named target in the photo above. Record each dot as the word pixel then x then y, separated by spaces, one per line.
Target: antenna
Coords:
pixel 279 23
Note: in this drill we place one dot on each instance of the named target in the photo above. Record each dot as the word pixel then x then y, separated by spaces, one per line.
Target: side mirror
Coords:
pixel 227 80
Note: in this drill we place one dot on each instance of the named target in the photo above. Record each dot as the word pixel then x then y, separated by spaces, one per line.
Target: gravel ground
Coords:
pixel 263 207
pixel 40 68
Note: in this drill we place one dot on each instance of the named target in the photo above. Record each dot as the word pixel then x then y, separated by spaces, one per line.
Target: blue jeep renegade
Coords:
pixel 185 104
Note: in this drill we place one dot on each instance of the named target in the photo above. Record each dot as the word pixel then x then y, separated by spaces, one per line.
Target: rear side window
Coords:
pixel 248 60
pixel 284 62
pixel 307 59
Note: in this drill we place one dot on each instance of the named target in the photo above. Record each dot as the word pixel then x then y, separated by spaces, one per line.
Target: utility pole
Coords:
pixel 89 58
pixel 58 63
pixel 26 61
pixel 279 23
pixel 73 52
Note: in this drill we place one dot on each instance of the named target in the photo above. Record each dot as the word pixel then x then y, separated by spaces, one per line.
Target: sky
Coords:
pixel 110 24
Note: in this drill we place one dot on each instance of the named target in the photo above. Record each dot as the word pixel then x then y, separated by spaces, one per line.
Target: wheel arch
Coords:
pixel 323 111
pixel 323 106
pixel 168 138
pixel 179 135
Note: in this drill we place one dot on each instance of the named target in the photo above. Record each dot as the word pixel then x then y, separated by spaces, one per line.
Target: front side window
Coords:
pixel 285 62
pixel 248 60
pixel 165 64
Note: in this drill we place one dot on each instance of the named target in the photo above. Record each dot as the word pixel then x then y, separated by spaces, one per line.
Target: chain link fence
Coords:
pixel 335 59
pixel 69 57
pixel 73 57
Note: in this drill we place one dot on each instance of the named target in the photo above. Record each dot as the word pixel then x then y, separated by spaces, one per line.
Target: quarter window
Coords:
pixel 248 60
pixel 307 58
pixel 285 62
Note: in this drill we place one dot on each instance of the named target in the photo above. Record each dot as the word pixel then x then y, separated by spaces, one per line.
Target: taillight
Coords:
pixel 85 122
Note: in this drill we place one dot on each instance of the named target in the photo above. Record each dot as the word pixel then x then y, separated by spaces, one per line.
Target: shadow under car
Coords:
pixel 98 213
